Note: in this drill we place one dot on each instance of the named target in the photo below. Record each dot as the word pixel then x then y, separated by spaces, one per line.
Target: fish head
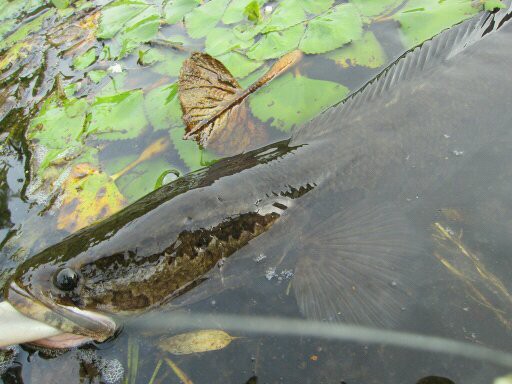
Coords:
pixel 48 288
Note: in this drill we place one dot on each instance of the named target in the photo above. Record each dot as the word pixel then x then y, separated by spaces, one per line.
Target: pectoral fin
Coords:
pixel 356 265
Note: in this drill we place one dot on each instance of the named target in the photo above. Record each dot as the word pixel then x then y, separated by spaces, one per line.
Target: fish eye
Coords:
pixel 66 279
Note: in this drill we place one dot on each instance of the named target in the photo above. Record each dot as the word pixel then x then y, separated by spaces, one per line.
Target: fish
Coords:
pixel 332 203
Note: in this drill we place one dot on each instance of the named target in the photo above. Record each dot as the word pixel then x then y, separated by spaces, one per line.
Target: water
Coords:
pixel 458 303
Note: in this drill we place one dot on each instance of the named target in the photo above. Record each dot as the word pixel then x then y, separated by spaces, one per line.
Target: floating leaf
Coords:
pixel 89 195
pixel 213 103
pixel 196 342
pixel 202 19
pixel 165 61
pixel 175 10
pixel 491 5
pixel 235 11
pixel 292 100
pixel 163 108
pixel 84 60
pixel 60 4
pixel 252 11
pixel 366 52
pixel 315 6
pixel 422 19
pixel 372 8
pixel 55 133
pixel 339 26
pixel 287 14
pixel 26 29
pixel 130 22
pixel 238 64
pixel 276 44
pixel 222 40
pixel 97 75
pixel 190 153
pixel 120 116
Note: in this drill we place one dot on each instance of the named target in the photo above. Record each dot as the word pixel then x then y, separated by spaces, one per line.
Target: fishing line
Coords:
pixel 322 330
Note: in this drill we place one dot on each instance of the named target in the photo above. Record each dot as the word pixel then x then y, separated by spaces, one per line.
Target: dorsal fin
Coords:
pixel 420 59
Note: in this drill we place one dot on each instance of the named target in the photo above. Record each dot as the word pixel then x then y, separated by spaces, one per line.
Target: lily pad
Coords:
pixel 275 44
pixel 163 108
pixel 202 19
pixel 238 64
pixel 189 151
pixel 129 23
pixel 292 100
pixel 315 6
pixel 85 59
pixel 339 26
pixel 422 19
pixel 175 10
pixel 366 52
pixel 372 8
pixel 222 40
pixel 286 15
pixel 235 11
pixel 120 116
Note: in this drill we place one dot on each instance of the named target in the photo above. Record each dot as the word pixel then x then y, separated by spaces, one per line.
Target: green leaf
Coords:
pixel 315 6
pixel 238 64
pixel 163 107
pixel 140 180
pixel 97 75
pixel 491 5
pixel 366 52
pixel 275 44
pixel 130 23
pixel 222 40
pixel 202 19
pixel 339 26
pixel 292 100
pixel 287 14
pixel 235 11
pixel 189 151
pixel 117 15
pixel 164 177
pixel 167 62
pixel 84 60
pixel 371 8
pixel 57 130
pixel 422 19
pixel 60 4
pixel 252 11
pixel 119 116
pixel 26 29
pixel 174 10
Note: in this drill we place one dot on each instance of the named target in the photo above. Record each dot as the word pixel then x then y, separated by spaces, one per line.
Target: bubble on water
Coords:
pixel 286 274
pixel 456 152
pixel 270 273
pixel 112 371
pixel 88 356
pixel 7 357
pixel 260 258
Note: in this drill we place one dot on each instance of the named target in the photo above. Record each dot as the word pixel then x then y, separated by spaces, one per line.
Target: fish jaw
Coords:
pixel 76 326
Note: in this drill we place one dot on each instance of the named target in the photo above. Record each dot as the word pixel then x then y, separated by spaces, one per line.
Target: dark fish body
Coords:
pixel 324 202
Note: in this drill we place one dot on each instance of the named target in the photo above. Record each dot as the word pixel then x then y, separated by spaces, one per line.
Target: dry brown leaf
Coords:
pixel 214 104
pixel 195 342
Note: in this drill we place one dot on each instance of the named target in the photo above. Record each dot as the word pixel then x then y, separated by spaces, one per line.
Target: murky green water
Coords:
pixel 473 217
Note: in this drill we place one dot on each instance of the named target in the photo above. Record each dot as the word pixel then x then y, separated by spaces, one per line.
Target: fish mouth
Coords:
pixel 75 323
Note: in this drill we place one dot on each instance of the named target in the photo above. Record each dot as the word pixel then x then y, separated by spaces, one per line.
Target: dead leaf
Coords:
pixel 195 342
pixel 213 103
pixel 178 372
pixel 89 196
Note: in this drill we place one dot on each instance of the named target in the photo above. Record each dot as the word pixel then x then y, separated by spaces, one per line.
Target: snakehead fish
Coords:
pixel 331 202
